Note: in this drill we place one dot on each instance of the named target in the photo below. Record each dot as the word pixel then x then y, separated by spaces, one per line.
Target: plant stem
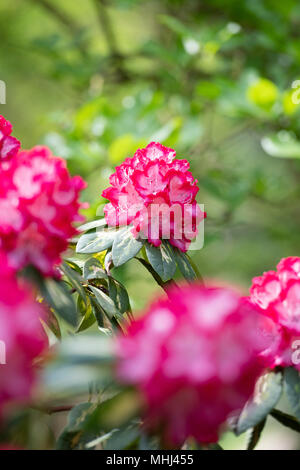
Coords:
pixel 163 284
pixel 286 419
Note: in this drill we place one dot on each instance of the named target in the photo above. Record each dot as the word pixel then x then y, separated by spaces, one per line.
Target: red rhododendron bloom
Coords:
pixel 9 146
pixel 38 206
pixel 195 357
pixel 277 293
pixel 156 193
pixel 22 338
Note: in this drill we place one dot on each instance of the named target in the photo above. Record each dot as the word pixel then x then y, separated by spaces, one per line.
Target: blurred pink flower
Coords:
pixel 195 357
pixel 9 146
pixel 38 207
pixel 155 193
pixel 22 338
pixel 277 293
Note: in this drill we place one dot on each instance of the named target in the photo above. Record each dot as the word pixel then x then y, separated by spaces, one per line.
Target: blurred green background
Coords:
pixel 94 80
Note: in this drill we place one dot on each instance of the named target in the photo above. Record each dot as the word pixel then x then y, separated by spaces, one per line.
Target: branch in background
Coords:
pixel 73 28
pixel 106 26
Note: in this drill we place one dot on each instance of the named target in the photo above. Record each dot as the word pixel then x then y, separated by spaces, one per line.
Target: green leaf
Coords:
pixel 105 302
pixel 147 442
pixel 184 265
pixel 98 312
pixel 92 269
pixel 123 438
pixel 269 393
pixel 87 321
pixel 255 434
pixel 100 440
pixel 72 437
pixel 93 224
pixel 282 145
pixel 96 242
pixel 119 295
pixel 52 323
pixel 75 280
pixel 292 387
pixel 68 440
pixel 105 417
pixel 60 299
pixel 78 415
pixel 125 246
pixel 162 260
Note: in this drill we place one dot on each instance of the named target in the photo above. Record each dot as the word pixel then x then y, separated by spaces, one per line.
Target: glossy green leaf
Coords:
pixel 119 295
pixel 162 259
pixel 52 323
pixel 185 266
pixel 123 438
pixel 105 302
pixel 292 387
pixel 88 319
pixel 72 437
pixel 125 246
pixel 60 299
pixel 96 242
pixel 75 280
pixel 266 398
pixel 93 269
pixel 93 224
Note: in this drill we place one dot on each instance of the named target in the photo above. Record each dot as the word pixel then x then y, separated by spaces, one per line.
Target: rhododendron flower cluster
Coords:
pixel 22 339
pixel 156 193
pixel 277 293
pixel 38 206
pixel 195 357
pixel 9 145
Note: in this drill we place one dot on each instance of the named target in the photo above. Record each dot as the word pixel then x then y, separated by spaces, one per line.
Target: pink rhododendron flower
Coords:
pixel 195 357
pixel 22 339
pixel 277 293
pixel 9 146
pixel 156 193
pixel 38 207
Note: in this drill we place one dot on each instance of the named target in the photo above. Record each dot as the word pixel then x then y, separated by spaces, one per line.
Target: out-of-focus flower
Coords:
pixel 9 146
pixel 22 339
pixel 39 203
pixel 277 293
pixel 156 193
pixel 195 357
